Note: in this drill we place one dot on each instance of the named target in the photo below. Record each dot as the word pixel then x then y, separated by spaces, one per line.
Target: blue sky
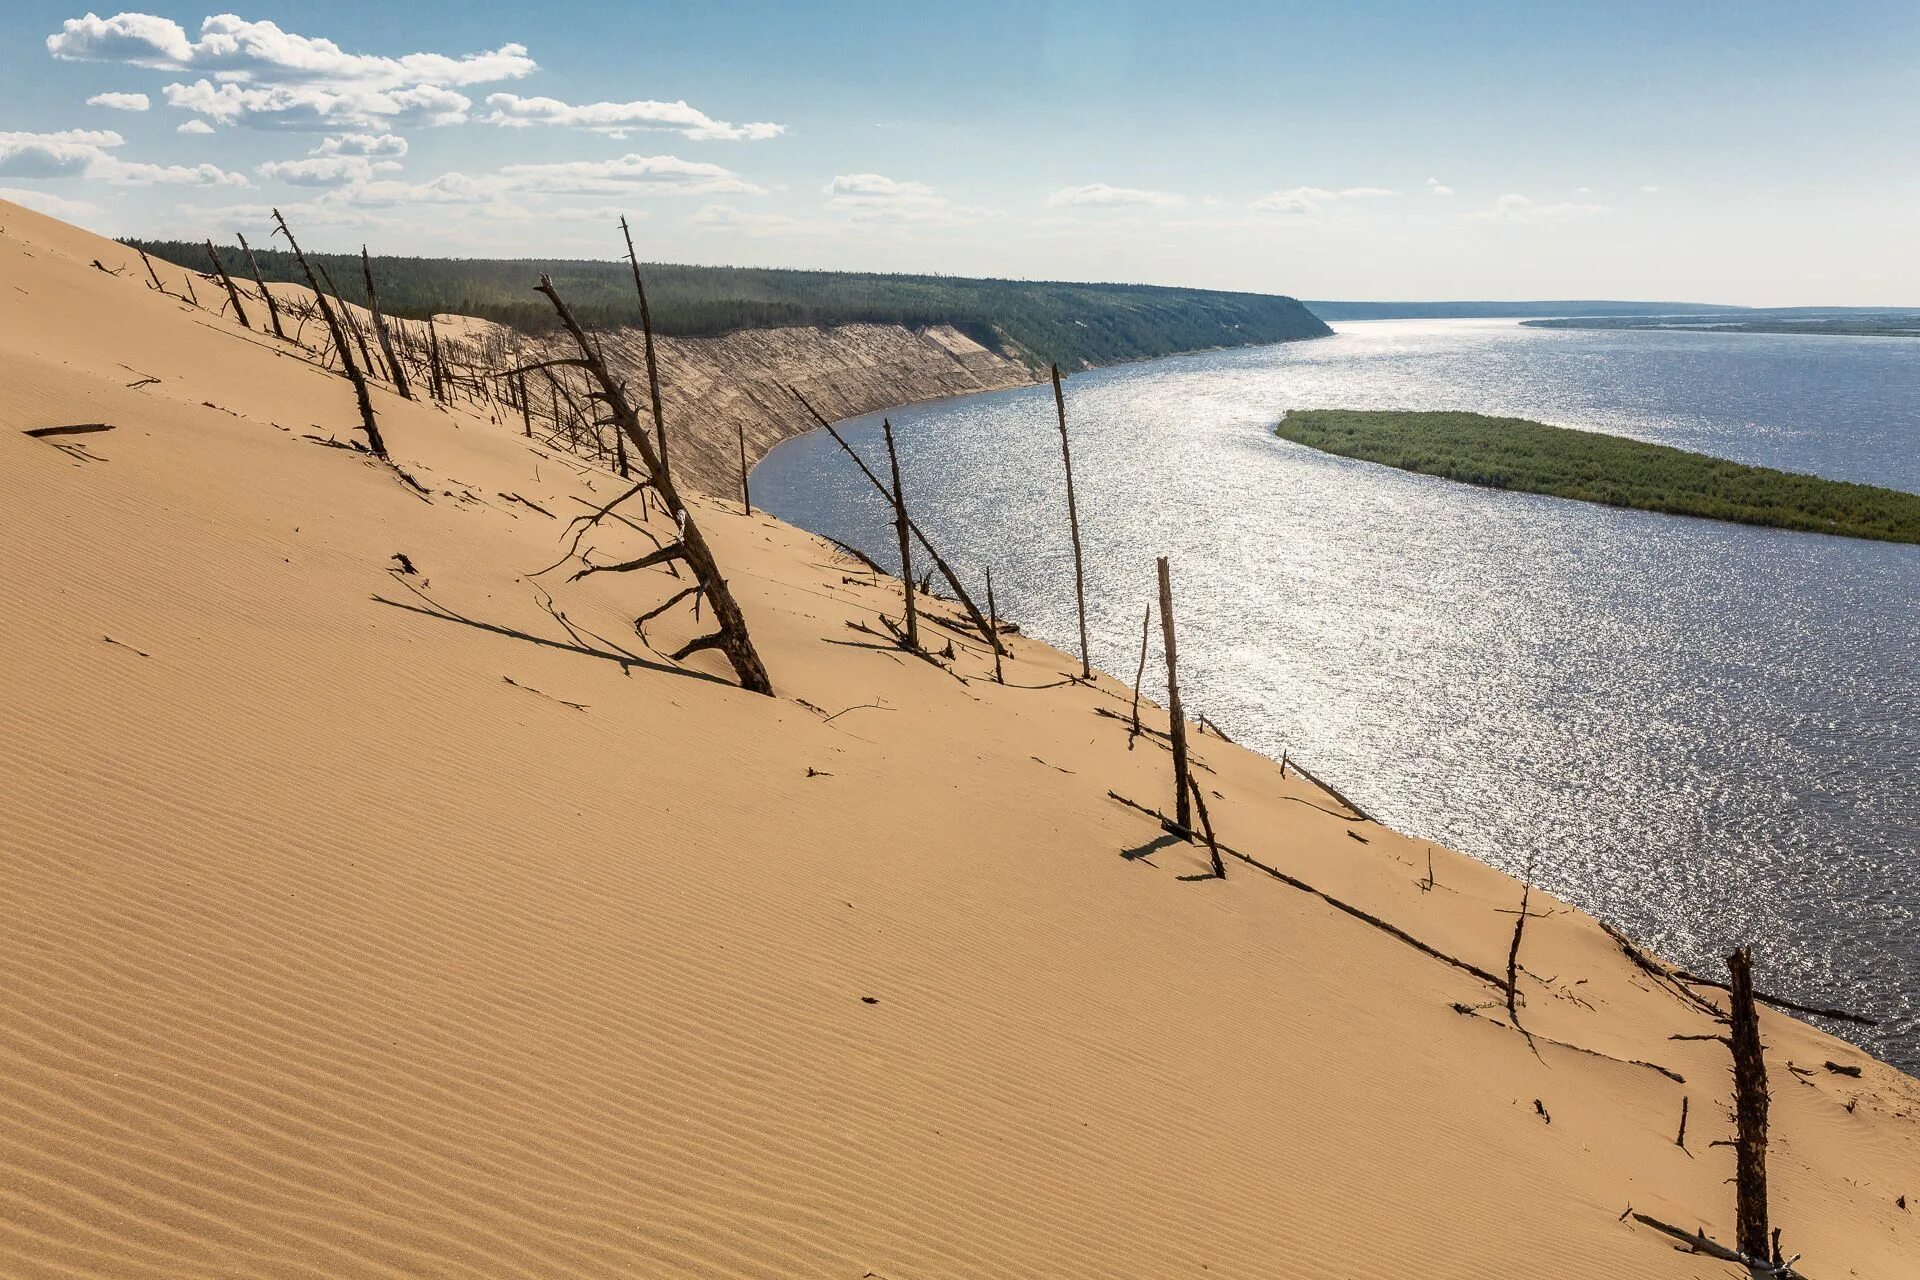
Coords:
pixel 1755 153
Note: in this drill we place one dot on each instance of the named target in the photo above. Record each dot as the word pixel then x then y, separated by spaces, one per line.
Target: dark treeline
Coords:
pixel 1043 322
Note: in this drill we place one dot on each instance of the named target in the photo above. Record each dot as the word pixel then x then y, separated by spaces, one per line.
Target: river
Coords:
pixel 1706 733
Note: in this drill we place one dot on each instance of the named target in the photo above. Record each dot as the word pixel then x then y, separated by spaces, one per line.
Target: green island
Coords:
pixel 1532 457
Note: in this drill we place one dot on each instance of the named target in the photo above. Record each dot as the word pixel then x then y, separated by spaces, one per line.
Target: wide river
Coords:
pixel 1703 732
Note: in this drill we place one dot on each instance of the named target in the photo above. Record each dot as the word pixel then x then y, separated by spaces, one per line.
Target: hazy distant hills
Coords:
pixel 1504 310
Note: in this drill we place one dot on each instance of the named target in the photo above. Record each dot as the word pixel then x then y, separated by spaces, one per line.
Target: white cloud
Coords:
pixel 873 197
pixel 1513 207
pixel 448 188
pixel 617 118
pixel 665 175
pixel 720 217
pixel 50 204
pixel 316 107
pixel 87 153
pixel 325 171
pixel 361 144
pixel 1099 195
pixel 1305 200
pixel 1650 190
pixel 1435 187
pixel 194 126
pixel 234 50
pixel 120 101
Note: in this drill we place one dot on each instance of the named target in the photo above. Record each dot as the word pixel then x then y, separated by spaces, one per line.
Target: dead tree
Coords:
pixel 912 638
pixel 526 410
pixel 993 620
pixel 1513 952
pixel 399 374
pixel 731 638
pixel 1073 522
pixel 374 441
pixel 939 562
pixel 233 294
pixel 353 323
pixel 1206 829
pixel 646 333
pixel 1178 727
pixel 1750 1110
pixel 746 494
pixel 273 308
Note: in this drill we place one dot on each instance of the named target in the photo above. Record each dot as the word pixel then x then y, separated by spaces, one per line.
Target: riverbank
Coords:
pixel 385 905
pixel 1615 471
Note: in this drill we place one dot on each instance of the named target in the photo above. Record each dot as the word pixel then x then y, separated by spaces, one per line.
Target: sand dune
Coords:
pixel 365 923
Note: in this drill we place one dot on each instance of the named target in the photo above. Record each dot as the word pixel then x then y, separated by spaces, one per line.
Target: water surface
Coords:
pixel 1703 732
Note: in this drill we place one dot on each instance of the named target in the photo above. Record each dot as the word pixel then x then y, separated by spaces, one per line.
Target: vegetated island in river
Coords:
pixel 1591 466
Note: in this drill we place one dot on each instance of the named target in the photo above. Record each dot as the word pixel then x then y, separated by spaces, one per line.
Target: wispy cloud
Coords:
pixel 1435 187
pixel 1513 207
pixel 616 119
pixel 1099 195
pixel 1304 200
pixel 628 174
pixel 48 203
pixel 325 171
pixel 120 101
pixel 874 197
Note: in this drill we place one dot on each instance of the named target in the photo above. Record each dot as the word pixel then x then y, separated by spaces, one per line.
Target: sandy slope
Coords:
pixel 341 943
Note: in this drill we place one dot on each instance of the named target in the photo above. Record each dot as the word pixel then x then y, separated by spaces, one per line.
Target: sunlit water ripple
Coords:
pixel 1703 732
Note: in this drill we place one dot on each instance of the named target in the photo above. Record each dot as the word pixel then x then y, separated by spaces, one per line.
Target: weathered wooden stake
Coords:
pixel 398 374
pixel 646 332
pixel 374 440
pixel 526 409
pixel 993 620
pixel 1177 729
pixel 746 494
pixel 1073 522
pixel 1681 1140
pixel 233 294
pixel 273 308
pixel 437 380
pixel 1750 1110
pixel 1146 620
pixel 906 539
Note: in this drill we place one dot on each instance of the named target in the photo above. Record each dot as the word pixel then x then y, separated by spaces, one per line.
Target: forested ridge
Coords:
pixel 1073 325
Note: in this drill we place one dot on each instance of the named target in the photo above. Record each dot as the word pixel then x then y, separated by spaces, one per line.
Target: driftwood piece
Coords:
pixel 374 440
pixel 1182 809
pixel 946 571
pixel 1750 1110
pixel 1781 1002
pixel 1073 524
pixel 906 540
pixel 731 637
pixel 74 429
pixel 233 294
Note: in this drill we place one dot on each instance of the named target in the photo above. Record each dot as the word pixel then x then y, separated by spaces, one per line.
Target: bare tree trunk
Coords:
pixel 151 273
pixel 906 539
pixel 273 308
pixel 233 294
pixel 646 331
pixel 353 324
pixel 746 494
pixel 380 329
pixel 1513 952
pixel 1146 621
pixel 1178 728
pixel 993 620
pixel 439 382
pixel 374 441
pixel 1073 522
pixel 732 637
pixel 526 410
pixel 1750 1110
